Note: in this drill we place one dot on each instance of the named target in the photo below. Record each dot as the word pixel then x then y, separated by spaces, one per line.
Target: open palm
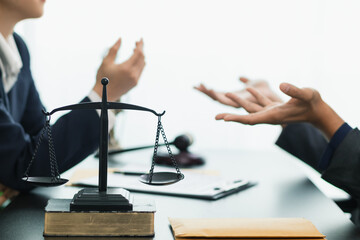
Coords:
pixel 222 97
pixel 301 107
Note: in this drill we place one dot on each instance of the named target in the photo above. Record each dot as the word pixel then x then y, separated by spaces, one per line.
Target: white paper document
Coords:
pixel 195 185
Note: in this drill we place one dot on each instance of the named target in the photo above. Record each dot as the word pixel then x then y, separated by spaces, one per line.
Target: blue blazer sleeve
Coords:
pixel 304 142
pixel 76 134
pixel 307 143
pixel 344 168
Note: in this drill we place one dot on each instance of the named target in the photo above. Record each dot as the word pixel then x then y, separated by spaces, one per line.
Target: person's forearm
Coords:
pixel 328 121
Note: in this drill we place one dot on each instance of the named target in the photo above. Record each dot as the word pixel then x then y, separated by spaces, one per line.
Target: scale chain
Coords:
pixel 169 149
pixel 35 151
pixel 160 129
pixel 155 149
pixel 53 162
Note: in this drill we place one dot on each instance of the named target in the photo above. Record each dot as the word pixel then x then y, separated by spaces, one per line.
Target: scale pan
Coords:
pixel 161 178
pixel 45 181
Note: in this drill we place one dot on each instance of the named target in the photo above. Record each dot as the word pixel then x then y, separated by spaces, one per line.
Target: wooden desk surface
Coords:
pixel 282 191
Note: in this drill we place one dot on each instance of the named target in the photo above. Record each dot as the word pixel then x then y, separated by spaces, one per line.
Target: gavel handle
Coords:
pixel 112 152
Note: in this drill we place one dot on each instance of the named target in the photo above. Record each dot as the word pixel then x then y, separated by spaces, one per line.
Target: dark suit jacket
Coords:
pixel 76 134
pixel 307 143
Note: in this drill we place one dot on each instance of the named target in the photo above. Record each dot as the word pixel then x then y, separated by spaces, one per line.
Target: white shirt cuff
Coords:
pixel 94 97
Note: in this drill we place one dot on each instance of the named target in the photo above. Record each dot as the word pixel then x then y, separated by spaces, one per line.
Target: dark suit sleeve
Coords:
pixel 75 135
pixel 303 141
pixel 344 168
pixel 307 143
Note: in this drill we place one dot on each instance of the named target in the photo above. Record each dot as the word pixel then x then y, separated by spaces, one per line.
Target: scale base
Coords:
pixel 90 199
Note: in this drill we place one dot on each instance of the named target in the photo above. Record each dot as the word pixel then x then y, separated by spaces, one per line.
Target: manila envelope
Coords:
pixel 244 228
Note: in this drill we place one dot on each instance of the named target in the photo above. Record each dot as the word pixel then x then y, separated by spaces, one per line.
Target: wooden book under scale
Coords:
pixel 61 222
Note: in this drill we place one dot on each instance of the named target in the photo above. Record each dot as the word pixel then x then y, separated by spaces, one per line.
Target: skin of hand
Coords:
pixel 305 105
pixel 222 97
pixel 8 193
pixel 122 77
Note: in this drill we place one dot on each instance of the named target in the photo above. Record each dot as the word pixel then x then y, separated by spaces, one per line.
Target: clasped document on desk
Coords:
pixel 194 185
pixel 244 228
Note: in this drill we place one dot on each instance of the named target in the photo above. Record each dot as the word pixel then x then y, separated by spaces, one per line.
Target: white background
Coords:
pixel 308 43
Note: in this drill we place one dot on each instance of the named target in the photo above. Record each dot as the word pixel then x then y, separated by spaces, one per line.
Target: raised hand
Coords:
pixel 8 193
pixel 123 76
pixel 222 97
pixel 305 105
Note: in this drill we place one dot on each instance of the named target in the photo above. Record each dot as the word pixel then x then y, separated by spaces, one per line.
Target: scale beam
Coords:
pixel 98 105
pixel 103 199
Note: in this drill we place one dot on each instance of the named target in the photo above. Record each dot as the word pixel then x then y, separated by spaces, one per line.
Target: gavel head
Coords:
pixel 182 142
pixel 184 158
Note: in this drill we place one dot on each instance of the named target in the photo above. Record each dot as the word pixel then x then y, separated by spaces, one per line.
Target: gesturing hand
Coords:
pixel 305 105
pixel 222 97
pixel 124 76
pixel 8 193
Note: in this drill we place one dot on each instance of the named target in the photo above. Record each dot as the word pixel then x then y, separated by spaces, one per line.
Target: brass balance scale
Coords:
pixel 103 199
